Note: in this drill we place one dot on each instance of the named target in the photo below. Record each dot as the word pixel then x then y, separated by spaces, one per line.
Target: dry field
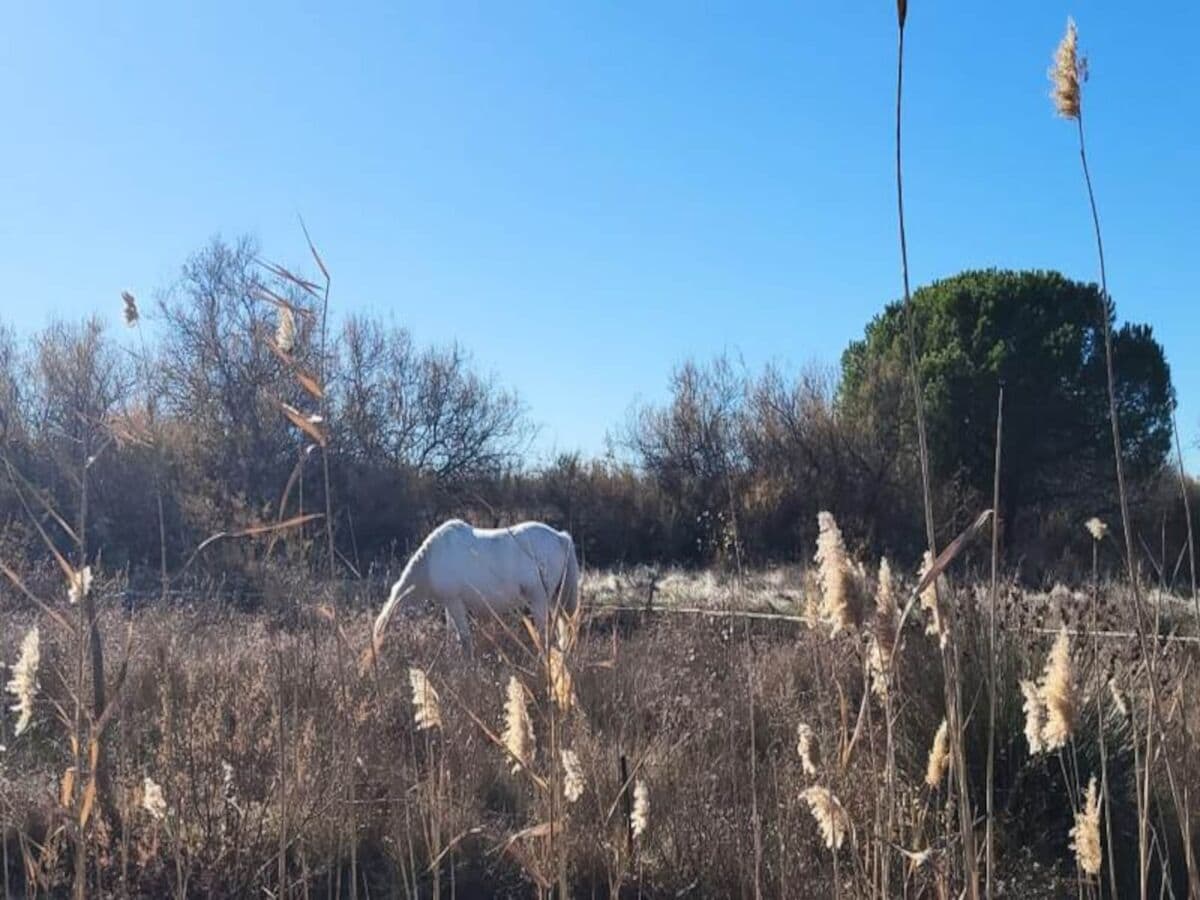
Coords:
pixel 664 753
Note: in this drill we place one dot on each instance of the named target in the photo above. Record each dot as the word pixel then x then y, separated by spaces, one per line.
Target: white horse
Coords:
pixel 486 571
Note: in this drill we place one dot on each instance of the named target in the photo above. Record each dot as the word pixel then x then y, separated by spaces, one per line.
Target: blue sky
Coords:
pixel 584 194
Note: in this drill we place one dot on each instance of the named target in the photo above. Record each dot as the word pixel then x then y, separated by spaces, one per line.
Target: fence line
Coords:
pixel 785 617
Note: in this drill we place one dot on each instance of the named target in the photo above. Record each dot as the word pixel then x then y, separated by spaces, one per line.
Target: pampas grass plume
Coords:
pixel 285 330
pixel 840 603
pixel 827 810
pixel 939 757
pixel 427 708
pixel 153 801
pixel 518 727
pixel 883 632
pixel 24 685
pixel 929 599
pixel 573 780
pixel 79 584
pixel 561 684
pixel 805 748
pixel 1058 694
pixel 1085 836
pixel 640 817
pixel 1067 73
pixel 1034 717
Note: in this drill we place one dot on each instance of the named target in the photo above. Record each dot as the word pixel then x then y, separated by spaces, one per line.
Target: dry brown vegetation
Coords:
pixel 276 756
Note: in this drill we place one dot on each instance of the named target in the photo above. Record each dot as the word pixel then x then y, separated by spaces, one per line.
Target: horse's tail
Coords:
pixel 569 589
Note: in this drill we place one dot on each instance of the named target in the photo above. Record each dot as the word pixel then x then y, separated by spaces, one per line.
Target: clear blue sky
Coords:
pixel 586 193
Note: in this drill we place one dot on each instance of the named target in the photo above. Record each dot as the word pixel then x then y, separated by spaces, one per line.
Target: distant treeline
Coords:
pixel 179 421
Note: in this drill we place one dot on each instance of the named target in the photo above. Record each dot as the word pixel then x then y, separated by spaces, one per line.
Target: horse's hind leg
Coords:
pixel 456 612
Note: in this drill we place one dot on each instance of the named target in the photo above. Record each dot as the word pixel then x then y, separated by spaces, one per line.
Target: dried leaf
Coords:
pixel 67 791
pixel 313 250
pixel 955 547
pixel 283 273
pixel 304 423
pixel 309 384
pixel 89 800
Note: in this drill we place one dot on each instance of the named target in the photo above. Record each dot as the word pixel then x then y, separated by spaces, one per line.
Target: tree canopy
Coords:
pixel 1042 335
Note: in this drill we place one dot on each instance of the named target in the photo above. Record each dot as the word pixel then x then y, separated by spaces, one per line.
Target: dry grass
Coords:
pixel 197 758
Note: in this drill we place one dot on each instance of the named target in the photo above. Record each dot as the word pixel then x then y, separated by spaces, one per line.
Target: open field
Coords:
pixel 277 755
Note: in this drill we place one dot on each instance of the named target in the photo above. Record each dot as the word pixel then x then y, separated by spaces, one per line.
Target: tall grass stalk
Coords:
pixel 994 602
pixel 949 648
pixel 1098 689
pixel 1069 73
pixel 1187 514
pixel 324 400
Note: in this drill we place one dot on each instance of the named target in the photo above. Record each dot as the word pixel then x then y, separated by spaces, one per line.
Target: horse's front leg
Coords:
pixel 456 612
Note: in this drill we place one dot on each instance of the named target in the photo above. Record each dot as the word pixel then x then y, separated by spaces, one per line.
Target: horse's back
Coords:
pixel 497 563
pixel 525 531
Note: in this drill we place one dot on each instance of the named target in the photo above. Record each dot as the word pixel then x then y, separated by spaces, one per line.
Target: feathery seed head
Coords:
pixel 79 584
pixel 1067 74
pixel 518 727
pixel 805 747
pixel 1096 528
pixel 827 810
pixel 1085 835
pixel 640 817
pixel 939 757
pixel 929 599
pixel 1058 694
pixel 153 800
pixel 285 330
pixel 839 578
pixel 883 632
pixel 24 685
pixel 1034 716
pixel 427 708
pixel 573 780
pixel 561 684
pixel 131 309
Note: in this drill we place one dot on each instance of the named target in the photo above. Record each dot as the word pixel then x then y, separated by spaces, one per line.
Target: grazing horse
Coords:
pixel 486 571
